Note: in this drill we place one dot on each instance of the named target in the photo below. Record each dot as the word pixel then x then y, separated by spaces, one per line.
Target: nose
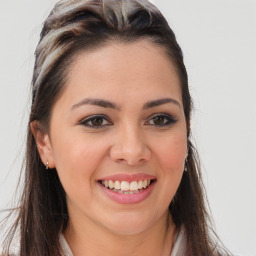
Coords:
pixel 130 147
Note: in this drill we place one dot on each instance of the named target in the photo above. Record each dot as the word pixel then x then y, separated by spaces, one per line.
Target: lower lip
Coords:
pixel 128 198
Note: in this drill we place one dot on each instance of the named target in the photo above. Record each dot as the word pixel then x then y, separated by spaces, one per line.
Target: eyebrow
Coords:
pixel 155 103
pixel 96 102
pixel 108 104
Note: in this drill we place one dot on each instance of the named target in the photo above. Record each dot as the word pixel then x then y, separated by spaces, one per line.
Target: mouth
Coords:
pixel 126 187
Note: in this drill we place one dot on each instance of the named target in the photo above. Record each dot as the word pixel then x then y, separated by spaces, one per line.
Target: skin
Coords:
pixel 127 142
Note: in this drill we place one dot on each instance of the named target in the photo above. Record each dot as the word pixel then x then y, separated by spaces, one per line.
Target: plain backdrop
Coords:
pixel 218 41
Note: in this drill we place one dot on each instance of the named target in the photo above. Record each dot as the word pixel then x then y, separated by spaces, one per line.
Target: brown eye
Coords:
pixel 159 120
pixel 95 122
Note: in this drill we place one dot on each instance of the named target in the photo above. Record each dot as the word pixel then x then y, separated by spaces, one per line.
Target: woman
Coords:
pixel 109 165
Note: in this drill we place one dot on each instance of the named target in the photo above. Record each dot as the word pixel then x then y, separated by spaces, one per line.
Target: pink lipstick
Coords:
pixel 127 189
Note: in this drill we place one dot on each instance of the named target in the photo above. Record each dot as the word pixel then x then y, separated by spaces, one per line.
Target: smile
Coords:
pixel 125 187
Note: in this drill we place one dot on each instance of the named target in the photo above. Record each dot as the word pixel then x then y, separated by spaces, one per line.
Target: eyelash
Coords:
pixel 169 121
pixel 94 117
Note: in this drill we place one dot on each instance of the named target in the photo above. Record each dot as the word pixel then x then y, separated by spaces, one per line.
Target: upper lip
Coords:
pixel 129 177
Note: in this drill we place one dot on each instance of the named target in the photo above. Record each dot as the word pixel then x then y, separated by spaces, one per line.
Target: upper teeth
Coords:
pixel 125 185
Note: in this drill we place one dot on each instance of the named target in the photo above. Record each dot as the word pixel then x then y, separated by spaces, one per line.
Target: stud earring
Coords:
pixel 47 165
pixel 174 199
pixel 185 166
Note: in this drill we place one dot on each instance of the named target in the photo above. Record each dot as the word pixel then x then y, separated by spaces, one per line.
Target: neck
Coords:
pixel 155 241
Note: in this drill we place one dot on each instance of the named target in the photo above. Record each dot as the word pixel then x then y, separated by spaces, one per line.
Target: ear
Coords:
pixel 43 143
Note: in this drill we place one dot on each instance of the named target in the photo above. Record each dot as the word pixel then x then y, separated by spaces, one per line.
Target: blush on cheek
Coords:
pixel 174 151
pixel 172 157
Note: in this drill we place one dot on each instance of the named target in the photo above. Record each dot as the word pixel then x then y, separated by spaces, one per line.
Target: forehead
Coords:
pixel 123 70
pixel 138 54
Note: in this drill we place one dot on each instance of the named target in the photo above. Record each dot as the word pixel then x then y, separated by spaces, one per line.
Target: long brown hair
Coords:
pixel 74 26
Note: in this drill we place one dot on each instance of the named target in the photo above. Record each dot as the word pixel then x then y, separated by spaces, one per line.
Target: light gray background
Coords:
pixel 218 41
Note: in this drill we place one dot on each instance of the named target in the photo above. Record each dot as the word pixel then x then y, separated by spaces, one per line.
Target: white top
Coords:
pixel 178 249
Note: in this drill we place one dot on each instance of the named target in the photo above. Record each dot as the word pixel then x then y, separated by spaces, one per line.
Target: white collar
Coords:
pixel 179 247
pixel 64 246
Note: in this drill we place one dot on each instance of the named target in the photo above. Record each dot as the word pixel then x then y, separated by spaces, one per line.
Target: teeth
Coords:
pixel 111 184
pixel 144 183
pixel 117 184
pixel 140 184
pixel 125 187
pixel 127 192
pixel 133 186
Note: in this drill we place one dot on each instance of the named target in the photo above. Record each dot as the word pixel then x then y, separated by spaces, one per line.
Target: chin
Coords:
pixel 128 224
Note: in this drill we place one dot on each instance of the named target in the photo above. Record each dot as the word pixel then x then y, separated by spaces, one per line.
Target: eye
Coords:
pixel 161 120
pixel 95 121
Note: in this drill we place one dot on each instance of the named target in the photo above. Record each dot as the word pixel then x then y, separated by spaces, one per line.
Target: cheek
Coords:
pixel 171 153
pixel 170 158
pixel 76 160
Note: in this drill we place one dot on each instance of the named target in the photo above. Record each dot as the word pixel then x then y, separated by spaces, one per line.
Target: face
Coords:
pixel 118 137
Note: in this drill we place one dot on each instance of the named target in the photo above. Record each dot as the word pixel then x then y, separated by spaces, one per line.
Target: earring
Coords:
pixel 47 165
pixel 173 200
pixel 185 166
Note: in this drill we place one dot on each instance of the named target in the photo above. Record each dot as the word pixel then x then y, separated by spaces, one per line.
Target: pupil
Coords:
pixel 97 121
pixel 159 120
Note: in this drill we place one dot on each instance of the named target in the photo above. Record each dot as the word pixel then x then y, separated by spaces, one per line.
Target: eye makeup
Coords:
pixel 100 121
